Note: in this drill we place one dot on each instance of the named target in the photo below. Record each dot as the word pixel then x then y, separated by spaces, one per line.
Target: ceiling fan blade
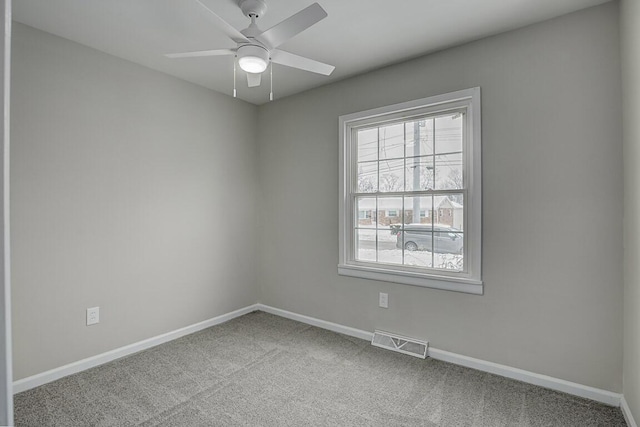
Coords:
pixel 226 28
pixel 253 79
pixel 290 60
pixel 280 33
pixel 215 52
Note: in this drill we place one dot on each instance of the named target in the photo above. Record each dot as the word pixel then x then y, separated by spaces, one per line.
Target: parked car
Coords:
pixel 438 238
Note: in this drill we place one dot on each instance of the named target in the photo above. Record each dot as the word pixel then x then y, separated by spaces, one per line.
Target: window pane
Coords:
pixel 448 133
pixel 422 205
pixel 389 212
pixel 449 172
pixel 448 234
pixel 421 130
pixel 419 173
pixel 451 262
pixel 368 177
pixel 391 175
pixel 447 240
pixel 387 250
pixel 449 210
pixel 391 141
pixel 367 144
pixel 365 245
pixel 366 208
pixel 417 242
pixel 418 258
pixel 416 236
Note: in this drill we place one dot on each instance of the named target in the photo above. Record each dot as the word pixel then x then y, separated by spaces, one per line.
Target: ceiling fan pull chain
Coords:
pixel 234 75
pixel 271 78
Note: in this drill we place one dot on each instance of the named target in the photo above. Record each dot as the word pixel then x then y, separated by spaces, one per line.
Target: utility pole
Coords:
pixel 416 171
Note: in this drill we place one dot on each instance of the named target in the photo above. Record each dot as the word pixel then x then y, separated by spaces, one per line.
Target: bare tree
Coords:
pixel 454 181
pixel 366 185
pixel 390 182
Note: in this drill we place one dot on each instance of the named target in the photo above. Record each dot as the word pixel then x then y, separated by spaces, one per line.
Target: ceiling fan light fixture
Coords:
pixel 252 64
pixel 253 59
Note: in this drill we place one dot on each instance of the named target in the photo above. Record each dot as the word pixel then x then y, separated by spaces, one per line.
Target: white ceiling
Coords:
pixel 357 36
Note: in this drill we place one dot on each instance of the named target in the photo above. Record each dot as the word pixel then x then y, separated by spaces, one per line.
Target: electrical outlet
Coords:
pixel 383 300
pixel 93 315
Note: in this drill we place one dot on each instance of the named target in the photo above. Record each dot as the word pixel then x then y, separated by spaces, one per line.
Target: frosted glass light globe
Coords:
pixel 252 64
pixel 253 58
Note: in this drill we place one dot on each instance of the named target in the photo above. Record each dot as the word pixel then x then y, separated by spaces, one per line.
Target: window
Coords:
pixel 408 160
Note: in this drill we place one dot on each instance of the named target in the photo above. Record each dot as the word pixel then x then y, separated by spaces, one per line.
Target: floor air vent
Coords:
pixel 400 344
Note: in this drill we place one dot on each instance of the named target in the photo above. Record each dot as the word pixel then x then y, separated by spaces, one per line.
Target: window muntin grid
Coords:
pixel 418 159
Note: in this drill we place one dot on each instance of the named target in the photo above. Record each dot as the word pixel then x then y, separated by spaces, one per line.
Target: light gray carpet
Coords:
pixel 263 370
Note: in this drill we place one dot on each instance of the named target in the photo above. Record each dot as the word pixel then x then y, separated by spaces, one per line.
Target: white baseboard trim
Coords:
pixel 607 397
pixel 335 327
pixel 603 396
pixel 626 411
pixel 90 362
pixel 599 395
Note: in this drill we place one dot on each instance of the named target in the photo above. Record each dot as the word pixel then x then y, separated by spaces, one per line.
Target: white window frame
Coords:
pixel 395 213
pixel 470 280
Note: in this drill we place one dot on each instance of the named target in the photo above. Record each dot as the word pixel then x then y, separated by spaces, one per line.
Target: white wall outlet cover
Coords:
pixel 93 315
pixel 383 300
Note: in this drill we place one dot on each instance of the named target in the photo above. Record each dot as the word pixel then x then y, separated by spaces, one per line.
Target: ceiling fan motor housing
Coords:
pixel 253 7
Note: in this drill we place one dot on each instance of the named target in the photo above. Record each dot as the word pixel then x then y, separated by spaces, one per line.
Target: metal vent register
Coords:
pixel 400 344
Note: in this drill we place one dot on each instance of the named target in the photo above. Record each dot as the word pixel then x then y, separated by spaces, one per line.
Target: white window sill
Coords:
pixel 457 284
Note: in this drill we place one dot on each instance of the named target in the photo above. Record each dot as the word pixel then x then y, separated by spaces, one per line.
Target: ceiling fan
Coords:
pixel 256 48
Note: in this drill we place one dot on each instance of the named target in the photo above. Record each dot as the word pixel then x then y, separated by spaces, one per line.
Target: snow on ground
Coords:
pixel 387 253
pixel 384 234
pixel 416 258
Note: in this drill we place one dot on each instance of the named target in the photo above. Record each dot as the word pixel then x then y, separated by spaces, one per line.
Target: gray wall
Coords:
pixel 125 183
pixel 552 202
pixel 630 37
pixel 132 191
